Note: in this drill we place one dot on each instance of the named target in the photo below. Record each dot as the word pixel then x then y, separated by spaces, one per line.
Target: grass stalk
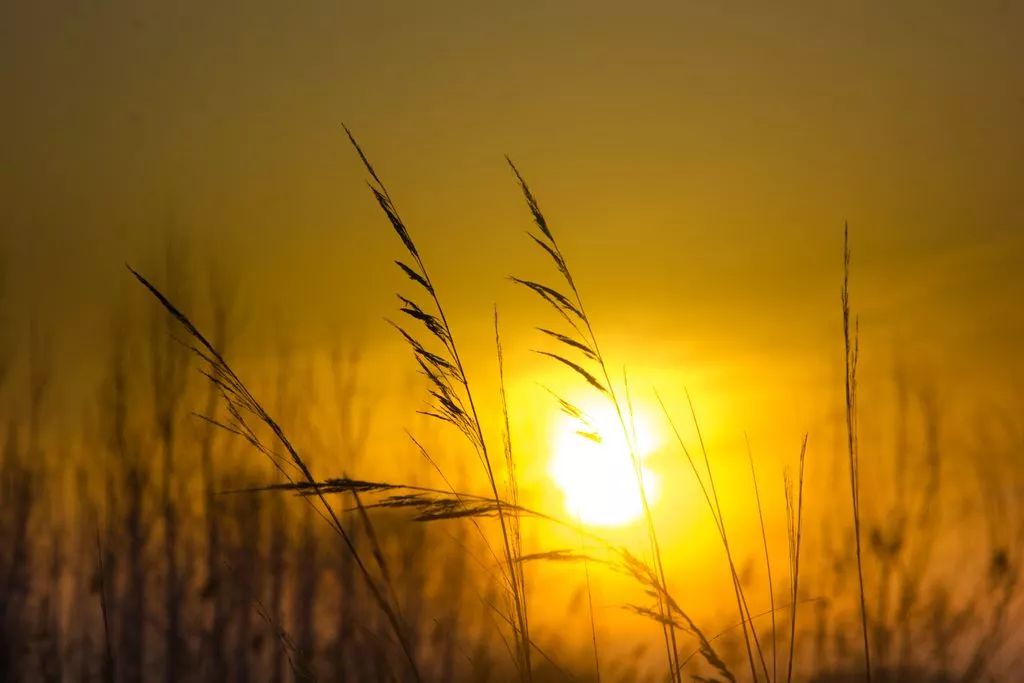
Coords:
pixel 582 339
pixel 711 498
pixel 851 346
pixel 518 575
pixel 108 651
pixel 767 560
pixel 451 391
pixel 795 528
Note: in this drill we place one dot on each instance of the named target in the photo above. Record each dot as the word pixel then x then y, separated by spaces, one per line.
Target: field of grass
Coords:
pixel 202 524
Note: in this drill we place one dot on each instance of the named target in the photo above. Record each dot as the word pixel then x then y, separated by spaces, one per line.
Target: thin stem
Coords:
pixel 737 584
pixel 471 426
pixel 712 502
pixel 851 352
pixel 669 633
pixel 767 559
pixel 795 557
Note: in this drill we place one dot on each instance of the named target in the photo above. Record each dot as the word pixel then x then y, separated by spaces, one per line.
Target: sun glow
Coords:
pixel 591 465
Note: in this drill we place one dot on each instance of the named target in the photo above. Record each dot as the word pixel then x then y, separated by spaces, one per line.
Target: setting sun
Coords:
pixel 595 475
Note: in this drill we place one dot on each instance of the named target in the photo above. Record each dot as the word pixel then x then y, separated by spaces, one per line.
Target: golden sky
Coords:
pixel 698 161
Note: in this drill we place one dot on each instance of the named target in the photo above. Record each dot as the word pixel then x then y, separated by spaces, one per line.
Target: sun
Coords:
pixel 596 475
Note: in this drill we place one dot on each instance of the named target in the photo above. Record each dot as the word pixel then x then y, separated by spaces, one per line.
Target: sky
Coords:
pixel 698 162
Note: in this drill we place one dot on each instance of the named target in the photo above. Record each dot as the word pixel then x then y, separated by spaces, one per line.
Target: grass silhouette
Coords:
pixel 392 579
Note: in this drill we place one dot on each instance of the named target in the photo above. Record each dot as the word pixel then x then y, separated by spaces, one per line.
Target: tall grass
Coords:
pixel 244 586
pixel 851 347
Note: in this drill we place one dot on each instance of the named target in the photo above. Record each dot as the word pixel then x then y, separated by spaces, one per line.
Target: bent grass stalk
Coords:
pixel 433 505
pixel 240 402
